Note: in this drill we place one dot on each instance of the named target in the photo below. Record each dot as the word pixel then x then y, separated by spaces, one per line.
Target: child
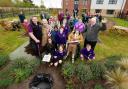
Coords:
pixel 58 56
pixel 61 37
pixel 87 53
pixel 49 48
pixel 54 33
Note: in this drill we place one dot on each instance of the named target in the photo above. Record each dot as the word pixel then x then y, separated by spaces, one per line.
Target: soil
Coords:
pixel 77 84
pixel 59 82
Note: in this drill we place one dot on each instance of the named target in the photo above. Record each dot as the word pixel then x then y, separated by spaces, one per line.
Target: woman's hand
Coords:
pixel 37 41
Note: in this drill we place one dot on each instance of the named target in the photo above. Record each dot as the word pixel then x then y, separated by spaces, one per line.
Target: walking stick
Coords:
pixel 38 48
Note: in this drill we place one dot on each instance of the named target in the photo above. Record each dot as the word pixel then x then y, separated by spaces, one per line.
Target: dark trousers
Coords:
pixel 92 43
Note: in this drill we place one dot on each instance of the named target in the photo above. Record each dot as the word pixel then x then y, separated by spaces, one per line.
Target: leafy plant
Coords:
pixel 21 74
pixel 20 63
pixel 68 70
pixel 17 72
pixel 84 72
pixel 3 60
pixel 69 85
pixel 110 62
pixel 6 82
pixel 123 63
pixel 98 69
pixel 98 86
pixel 118 79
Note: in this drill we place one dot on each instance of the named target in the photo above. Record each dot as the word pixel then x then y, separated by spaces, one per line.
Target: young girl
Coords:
pixel 54 33
pixel 49 48
pixel 87 53
pixel 58 56
pixel 74 39
pixel 61 37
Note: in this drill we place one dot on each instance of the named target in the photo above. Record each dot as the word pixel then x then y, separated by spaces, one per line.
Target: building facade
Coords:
pixel 126 7
pixel 107 7
pixel 81 5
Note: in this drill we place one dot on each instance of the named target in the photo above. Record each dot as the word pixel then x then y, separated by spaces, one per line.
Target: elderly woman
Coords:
pixel 93 29
pixel 35 33
pixel 46 31
pixel 74 39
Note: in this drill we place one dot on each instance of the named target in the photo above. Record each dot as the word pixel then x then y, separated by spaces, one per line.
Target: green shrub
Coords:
pixel 18 71
pixel 3 60
pixel 110 62
pixel 98 86
pixel 20 63
pixel 68 69
pixel 6 82
pixel 21 74
pixel 98 70
pixel 69 85
pixel 23 68
pixel 83 72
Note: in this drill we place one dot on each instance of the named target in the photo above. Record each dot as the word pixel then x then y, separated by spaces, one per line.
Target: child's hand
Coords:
pixel 55 57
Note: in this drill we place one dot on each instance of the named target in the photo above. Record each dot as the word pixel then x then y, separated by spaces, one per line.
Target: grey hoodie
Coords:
pixel 93 31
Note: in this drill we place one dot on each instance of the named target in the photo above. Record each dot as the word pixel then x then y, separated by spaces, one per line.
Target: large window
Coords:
pixel 98 10
pixel 99 1
pixel 110 12
pixel 112 2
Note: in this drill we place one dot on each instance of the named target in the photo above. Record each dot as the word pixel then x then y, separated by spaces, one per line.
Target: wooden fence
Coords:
pixel 6 12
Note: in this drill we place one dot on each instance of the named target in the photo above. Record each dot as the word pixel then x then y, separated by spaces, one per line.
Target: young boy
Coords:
pixel 87 53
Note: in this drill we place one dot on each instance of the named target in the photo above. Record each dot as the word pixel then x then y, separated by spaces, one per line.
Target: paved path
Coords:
pixel 20 53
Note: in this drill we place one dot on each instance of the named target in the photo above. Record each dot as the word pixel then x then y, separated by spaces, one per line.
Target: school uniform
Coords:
pixel 61 38
pixel 87 54
pixel 57 55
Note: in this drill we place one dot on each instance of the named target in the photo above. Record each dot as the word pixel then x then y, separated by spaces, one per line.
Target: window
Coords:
pixel 84 2
pixel 99 1
pixel 110 12
pixel 98 10
pixel 112 2
pixel 76 1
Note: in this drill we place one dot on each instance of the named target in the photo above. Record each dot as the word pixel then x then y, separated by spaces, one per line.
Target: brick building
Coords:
pixel 125 10
pixel 81 5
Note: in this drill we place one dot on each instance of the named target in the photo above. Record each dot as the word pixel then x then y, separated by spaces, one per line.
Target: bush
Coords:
pixel 69 85
pixel 123 63
pixel 98 70
pixel 17 72
pixel 98 86
pixel 23 68
pixel 110 62
pixel 68 70
pixel 21 74
pixel 118 79
pixel 6 82
pixel 3 60
pixel 83 72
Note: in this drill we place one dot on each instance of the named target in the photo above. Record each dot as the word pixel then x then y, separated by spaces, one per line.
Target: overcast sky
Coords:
pixel 49 3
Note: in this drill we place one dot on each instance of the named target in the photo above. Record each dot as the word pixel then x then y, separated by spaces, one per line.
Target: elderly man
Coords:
pixel 93 29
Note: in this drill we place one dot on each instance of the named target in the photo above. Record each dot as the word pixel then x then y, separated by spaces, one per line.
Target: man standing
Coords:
pixel 93 29
pixel 21 17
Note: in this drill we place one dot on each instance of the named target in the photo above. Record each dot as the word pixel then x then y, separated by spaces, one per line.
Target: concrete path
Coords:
pixel 20 53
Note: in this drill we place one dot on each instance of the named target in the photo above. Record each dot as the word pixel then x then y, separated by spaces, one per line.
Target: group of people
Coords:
pixel 59 36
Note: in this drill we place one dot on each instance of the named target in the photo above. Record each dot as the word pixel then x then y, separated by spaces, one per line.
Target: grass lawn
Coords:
pixel 120 22
pixel 112 44
pixel 10 40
